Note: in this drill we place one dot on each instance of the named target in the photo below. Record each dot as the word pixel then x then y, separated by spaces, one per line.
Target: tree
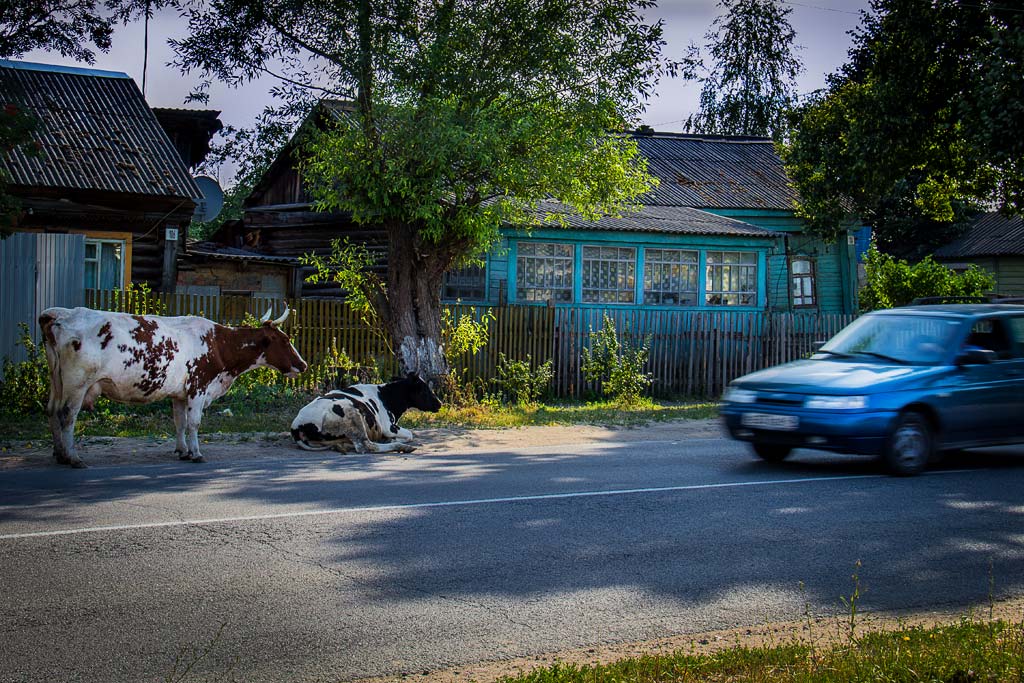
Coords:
pixel 892 282
pixel 467 113
pixel 752 84
pixel 920 127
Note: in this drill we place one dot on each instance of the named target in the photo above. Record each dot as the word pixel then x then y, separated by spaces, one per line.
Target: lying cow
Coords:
pixel 144 358
pixel 363 415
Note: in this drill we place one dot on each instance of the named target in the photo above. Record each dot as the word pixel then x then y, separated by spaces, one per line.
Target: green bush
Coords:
pixel 521 385
pixel 894 282
pixel 617 364
pixel 26 385
pixel 462 336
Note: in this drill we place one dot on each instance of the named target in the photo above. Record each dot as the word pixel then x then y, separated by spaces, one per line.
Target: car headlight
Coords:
pixel 733 395
pixel 836 402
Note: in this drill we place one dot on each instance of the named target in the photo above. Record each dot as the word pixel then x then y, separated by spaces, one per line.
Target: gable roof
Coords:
pixel 989 234
pixel 715 171
pixel 95 132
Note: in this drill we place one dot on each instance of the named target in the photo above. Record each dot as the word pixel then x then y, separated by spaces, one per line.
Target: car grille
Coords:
pixel 780 399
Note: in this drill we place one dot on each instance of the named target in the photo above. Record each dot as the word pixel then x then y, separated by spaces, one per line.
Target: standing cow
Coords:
pixel 144 358
pixel 365 415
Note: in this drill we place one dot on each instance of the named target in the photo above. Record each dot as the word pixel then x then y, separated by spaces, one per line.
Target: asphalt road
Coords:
pixel 341 567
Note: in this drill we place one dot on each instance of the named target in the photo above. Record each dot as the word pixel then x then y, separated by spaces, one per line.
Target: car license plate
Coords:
pixel 784 423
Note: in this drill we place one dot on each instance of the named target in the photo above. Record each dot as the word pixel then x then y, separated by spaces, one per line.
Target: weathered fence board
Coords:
pixel 692 353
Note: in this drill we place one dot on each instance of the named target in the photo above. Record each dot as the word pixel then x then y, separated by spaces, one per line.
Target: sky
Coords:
pixel 821 26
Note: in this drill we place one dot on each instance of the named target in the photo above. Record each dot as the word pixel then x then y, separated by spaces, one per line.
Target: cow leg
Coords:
pixel 193 416
pixel 66 415
pixel 365 445
pixel 180 408
pixel 402 434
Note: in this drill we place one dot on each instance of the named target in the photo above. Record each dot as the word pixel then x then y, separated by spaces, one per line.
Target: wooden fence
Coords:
pixel 691 353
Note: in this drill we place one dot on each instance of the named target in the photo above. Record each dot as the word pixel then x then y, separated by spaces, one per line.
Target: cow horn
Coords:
pixel 284 316
pixel 266 316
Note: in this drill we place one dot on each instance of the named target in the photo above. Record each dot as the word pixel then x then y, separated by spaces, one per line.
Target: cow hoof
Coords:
pixel 197 458
pixel 406 449
pixel 182 455
pixel 78 464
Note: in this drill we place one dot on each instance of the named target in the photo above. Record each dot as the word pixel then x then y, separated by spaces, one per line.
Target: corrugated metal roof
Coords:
pixel 679 220
pixel 990 234
pixel 716 172
pixel 95 130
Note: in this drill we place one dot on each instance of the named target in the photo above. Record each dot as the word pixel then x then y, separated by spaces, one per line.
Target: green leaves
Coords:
pixel 917 126
pixel 893 282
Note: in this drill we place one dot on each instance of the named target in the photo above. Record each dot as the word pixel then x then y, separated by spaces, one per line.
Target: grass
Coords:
pixel 962 652
pixel 271 409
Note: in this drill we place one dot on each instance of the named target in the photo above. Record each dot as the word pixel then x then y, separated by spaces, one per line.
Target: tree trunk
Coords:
pixel 415 272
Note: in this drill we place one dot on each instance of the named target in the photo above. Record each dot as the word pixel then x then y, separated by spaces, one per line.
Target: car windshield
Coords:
pixel 900 339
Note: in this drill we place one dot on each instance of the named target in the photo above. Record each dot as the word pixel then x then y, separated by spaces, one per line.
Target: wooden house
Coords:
pixel 105 170
pixel 719 232
pixel 995 243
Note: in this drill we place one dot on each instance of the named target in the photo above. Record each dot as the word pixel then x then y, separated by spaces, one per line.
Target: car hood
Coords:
pixel 838 377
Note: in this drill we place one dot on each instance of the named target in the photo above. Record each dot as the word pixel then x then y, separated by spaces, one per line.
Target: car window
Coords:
pixel 991 334
pixel 1016 325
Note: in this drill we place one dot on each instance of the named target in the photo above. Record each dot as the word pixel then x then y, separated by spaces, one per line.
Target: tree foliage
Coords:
pixel 465 115
pixel 919 127
pixel 752 83
pixel 894 282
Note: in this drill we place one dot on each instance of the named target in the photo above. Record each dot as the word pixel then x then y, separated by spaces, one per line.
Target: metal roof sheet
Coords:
pixel 95 132
pixel 990 234
pixel 721 172
pixel 680 220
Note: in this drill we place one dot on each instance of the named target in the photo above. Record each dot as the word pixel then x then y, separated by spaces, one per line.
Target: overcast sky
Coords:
pixel 821 27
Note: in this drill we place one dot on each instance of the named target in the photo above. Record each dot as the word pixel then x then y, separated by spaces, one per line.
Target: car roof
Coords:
pixel 965 310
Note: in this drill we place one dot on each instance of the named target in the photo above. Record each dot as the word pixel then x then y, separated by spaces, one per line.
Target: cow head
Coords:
pixel 277 349
pixel 420 394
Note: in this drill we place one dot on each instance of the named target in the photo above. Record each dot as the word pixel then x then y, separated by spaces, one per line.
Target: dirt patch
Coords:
pixel 105 450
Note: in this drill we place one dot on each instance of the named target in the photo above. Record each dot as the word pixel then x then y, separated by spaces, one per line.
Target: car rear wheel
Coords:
pixel 772 452
pixel 910 446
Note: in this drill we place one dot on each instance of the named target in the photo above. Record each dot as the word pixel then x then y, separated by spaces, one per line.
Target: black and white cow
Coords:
pixel 144 358
pixel 363 415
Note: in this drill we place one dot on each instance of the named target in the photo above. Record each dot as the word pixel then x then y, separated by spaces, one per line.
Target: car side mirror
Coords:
pixel 975 357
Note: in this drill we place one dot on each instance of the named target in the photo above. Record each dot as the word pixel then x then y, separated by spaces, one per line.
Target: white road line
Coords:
pixel 440 504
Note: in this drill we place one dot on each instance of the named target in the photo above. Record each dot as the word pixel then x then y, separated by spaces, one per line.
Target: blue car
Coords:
pixel 904 383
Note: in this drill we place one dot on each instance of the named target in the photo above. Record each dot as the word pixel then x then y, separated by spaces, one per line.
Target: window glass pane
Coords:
pixel 544 271
pixel 670 277
pixel 731 278
pixel 609 274
pixel 110 265
pixel 468 283
pixel 90 274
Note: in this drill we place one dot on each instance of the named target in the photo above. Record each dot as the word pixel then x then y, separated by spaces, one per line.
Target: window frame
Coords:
pixel 812 275
pixel 630 275
pixel 98 260
pixel 680 293
pixel 569 277
pixel 754 266
pixel 483 288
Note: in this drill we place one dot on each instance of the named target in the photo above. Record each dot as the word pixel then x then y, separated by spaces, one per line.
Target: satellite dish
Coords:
pixel 209 205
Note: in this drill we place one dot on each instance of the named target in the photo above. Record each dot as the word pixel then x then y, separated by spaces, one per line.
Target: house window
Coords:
pixel 104 264
pixel 731 278
pixel 468 283
pixel 670 277
pixel 544 271
pixel 609 275
pixel 801 280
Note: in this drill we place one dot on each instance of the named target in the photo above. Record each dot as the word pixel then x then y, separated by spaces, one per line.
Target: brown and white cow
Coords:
pixel 144 358
pixel 364 416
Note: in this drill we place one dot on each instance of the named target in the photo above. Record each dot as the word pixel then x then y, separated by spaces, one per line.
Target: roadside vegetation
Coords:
pixel 961 652
pixel 262 401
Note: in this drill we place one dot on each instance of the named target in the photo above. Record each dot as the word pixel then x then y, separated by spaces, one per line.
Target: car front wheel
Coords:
pixel 772 452
pixel 910 446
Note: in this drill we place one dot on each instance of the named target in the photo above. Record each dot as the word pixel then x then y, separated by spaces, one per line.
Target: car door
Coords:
pixel 980 406
pixel 1015 376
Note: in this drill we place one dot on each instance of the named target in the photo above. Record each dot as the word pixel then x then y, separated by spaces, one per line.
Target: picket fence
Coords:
pixel 691 353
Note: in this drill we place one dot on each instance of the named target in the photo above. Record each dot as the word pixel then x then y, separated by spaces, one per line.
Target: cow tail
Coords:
pixel 301 442
pixel 46 327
